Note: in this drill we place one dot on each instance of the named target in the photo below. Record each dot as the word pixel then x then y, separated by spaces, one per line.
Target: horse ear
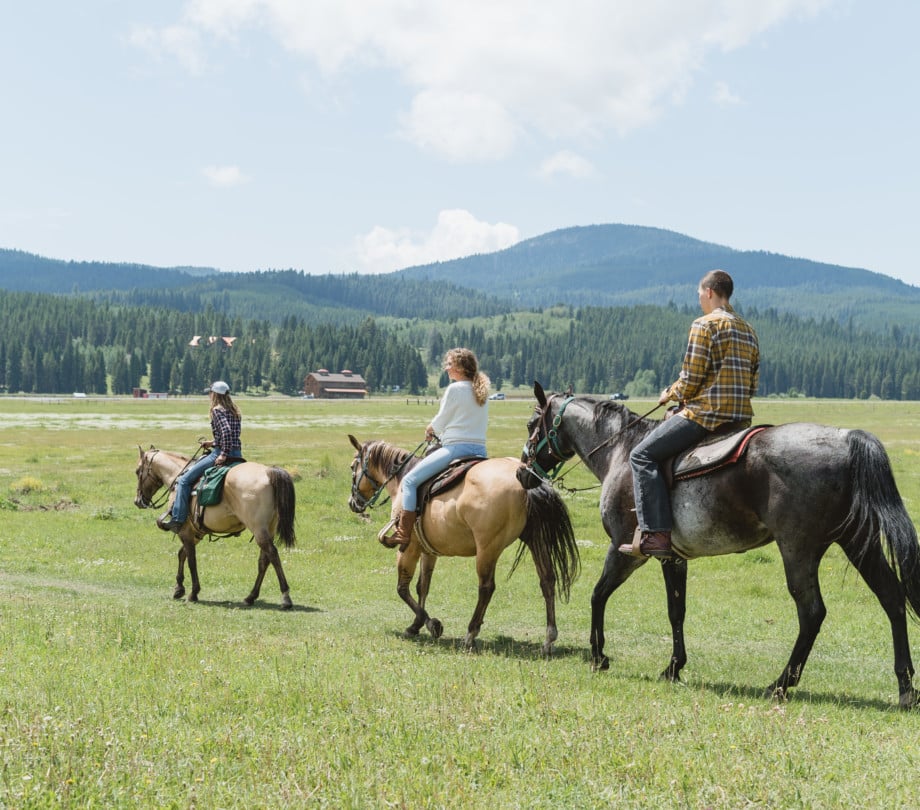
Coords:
pixel 355 442
pixel 569 391
pixel 140 452
pixel 539 393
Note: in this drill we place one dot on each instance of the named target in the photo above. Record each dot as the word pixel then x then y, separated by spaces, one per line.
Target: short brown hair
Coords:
pixel 719 282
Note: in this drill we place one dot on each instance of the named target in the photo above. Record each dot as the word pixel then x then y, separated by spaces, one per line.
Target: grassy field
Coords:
pixel 114 695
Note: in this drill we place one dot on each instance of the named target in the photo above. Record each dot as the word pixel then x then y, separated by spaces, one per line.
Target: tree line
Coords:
pixel 61 344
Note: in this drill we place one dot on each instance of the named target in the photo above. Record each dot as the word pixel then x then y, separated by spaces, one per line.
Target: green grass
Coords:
pixel 114 695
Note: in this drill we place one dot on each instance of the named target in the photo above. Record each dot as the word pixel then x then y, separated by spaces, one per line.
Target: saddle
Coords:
pixel 710 455
pixel 443 481
pixel 210 487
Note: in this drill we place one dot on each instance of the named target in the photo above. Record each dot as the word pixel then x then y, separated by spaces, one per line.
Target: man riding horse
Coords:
pixel 717 380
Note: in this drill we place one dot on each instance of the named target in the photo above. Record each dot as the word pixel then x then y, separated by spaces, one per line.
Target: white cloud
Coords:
pixel 224 176
pixel 179 42
pixel 457 233
pixel 486 74
pixel 722 94
pixel 568 163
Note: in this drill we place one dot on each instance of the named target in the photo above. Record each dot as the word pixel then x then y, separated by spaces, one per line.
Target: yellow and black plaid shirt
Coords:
pixel 720 370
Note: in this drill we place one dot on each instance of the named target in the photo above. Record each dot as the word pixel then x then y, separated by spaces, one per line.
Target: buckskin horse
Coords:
pixel 255 497
pixel 802 486
pixel 478 517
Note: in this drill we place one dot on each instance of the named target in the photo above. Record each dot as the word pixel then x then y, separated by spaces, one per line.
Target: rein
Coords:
pixel 379 488
pixel 555 474
pixel 157 502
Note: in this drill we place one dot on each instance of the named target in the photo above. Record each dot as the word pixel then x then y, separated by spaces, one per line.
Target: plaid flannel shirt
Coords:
pixel 226 428
pixel 720 370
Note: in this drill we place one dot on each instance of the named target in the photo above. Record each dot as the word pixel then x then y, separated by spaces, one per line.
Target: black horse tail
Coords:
pixel 549 535
pixel 877 510
pixel 285 503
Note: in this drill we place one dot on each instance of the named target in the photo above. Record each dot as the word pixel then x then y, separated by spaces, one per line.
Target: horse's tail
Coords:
pixel 549 535
pixel 877 511
pixel 285 503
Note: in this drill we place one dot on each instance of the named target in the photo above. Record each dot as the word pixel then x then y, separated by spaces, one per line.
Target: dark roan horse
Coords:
pixel 802 486
pixel 255 497
pixel 478 517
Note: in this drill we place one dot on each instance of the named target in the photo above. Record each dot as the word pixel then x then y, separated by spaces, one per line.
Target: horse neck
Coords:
pixel 388 465
pixel 596 437
pixel 168 465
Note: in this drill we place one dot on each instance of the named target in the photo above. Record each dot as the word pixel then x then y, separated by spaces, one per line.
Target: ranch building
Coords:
pixel 323 384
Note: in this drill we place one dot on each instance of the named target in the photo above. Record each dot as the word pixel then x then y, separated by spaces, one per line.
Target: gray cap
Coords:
pixel 220 387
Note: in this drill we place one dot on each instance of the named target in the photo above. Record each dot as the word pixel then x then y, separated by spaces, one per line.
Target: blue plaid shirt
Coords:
pixel 226 428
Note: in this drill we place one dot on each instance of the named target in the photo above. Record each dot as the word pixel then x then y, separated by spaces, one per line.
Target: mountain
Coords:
pixel 615 265
pixel 26 272
pixel 597 265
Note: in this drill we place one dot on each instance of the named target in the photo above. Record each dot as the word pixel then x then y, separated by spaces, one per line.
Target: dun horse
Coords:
pixel 479 517
pixel 802 486
pixel 255 497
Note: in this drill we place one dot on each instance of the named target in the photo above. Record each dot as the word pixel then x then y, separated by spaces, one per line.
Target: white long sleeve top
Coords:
pixel 460 418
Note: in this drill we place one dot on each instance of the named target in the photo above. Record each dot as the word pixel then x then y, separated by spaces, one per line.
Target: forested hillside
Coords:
pixel 53 344
pixel 598 265
pixel 58 344
pixel 622 265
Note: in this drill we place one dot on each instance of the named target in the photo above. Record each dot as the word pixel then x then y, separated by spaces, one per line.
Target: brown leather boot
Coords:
pixel 650 544
pixel 404 529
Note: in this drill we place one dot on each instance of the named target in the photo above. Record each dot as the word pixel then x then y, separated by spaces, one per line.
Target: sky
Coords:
pixel 369 135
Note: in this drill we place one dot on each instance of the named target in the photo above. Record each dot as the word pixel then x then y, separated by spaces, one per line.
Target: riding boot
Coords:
pixel 650 544
pixel 404 529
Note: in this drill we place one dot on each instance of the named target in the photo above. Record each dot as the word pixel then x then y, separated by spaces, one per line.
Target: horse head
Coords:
pixel 148 479
pixel 365 488
pixel 545 451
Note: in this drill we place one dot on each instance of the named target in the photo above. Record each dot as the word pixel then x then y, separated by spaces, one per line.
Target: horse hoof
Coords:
pixel 286 603
pixel 777 694
pixel 178 593
pixel 909 700
pixel 249 600
pixel 601 664
pixel 193 597
pixel 435 628
pixel 410 632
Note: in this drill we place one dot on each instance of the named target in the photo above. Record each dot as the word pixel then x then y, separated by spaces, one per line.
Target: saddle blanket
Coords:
pixel 710 456
pixel 210 488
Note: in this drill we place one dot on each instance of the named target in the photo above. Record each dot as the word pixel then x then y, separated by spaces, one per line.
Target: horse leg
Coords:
pixel 179 591
pixel 406 562
pixel 433 625
pixel 548 588
pixel 883 582
pixel 192 559
pixel 268 555
pixel 617 569
pixel 675 583
pixel 486 571
pixel 803 585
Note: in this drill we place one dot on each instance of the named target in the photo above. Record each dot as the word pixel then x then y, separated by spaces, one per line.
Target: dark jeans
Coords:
pixel 653 501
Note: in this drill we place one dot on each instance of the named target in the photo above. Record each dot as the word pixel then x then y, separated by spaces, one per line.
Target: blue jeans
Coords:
pixel 653 501
pixel 186 481
pixel 431 465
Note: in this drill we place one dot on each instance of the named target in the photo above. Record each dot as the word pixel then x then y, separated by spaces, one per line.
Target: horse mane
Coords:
pixel 389 457
pixel 604 409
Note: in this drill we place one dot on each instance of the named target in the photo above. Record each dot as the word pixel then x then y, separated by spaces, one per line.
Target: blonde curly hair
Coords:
pixel 466 362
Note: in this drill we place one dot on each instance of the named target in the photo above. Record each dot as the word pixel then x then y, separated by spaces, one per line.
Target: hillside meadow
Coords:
pixel 112 694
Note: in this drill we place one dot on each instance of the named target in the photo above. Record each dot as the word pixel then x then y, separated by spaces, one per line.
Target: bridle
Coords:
pixel 356 480
pixel 550 442
pixel 380 487
pixel 146 472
